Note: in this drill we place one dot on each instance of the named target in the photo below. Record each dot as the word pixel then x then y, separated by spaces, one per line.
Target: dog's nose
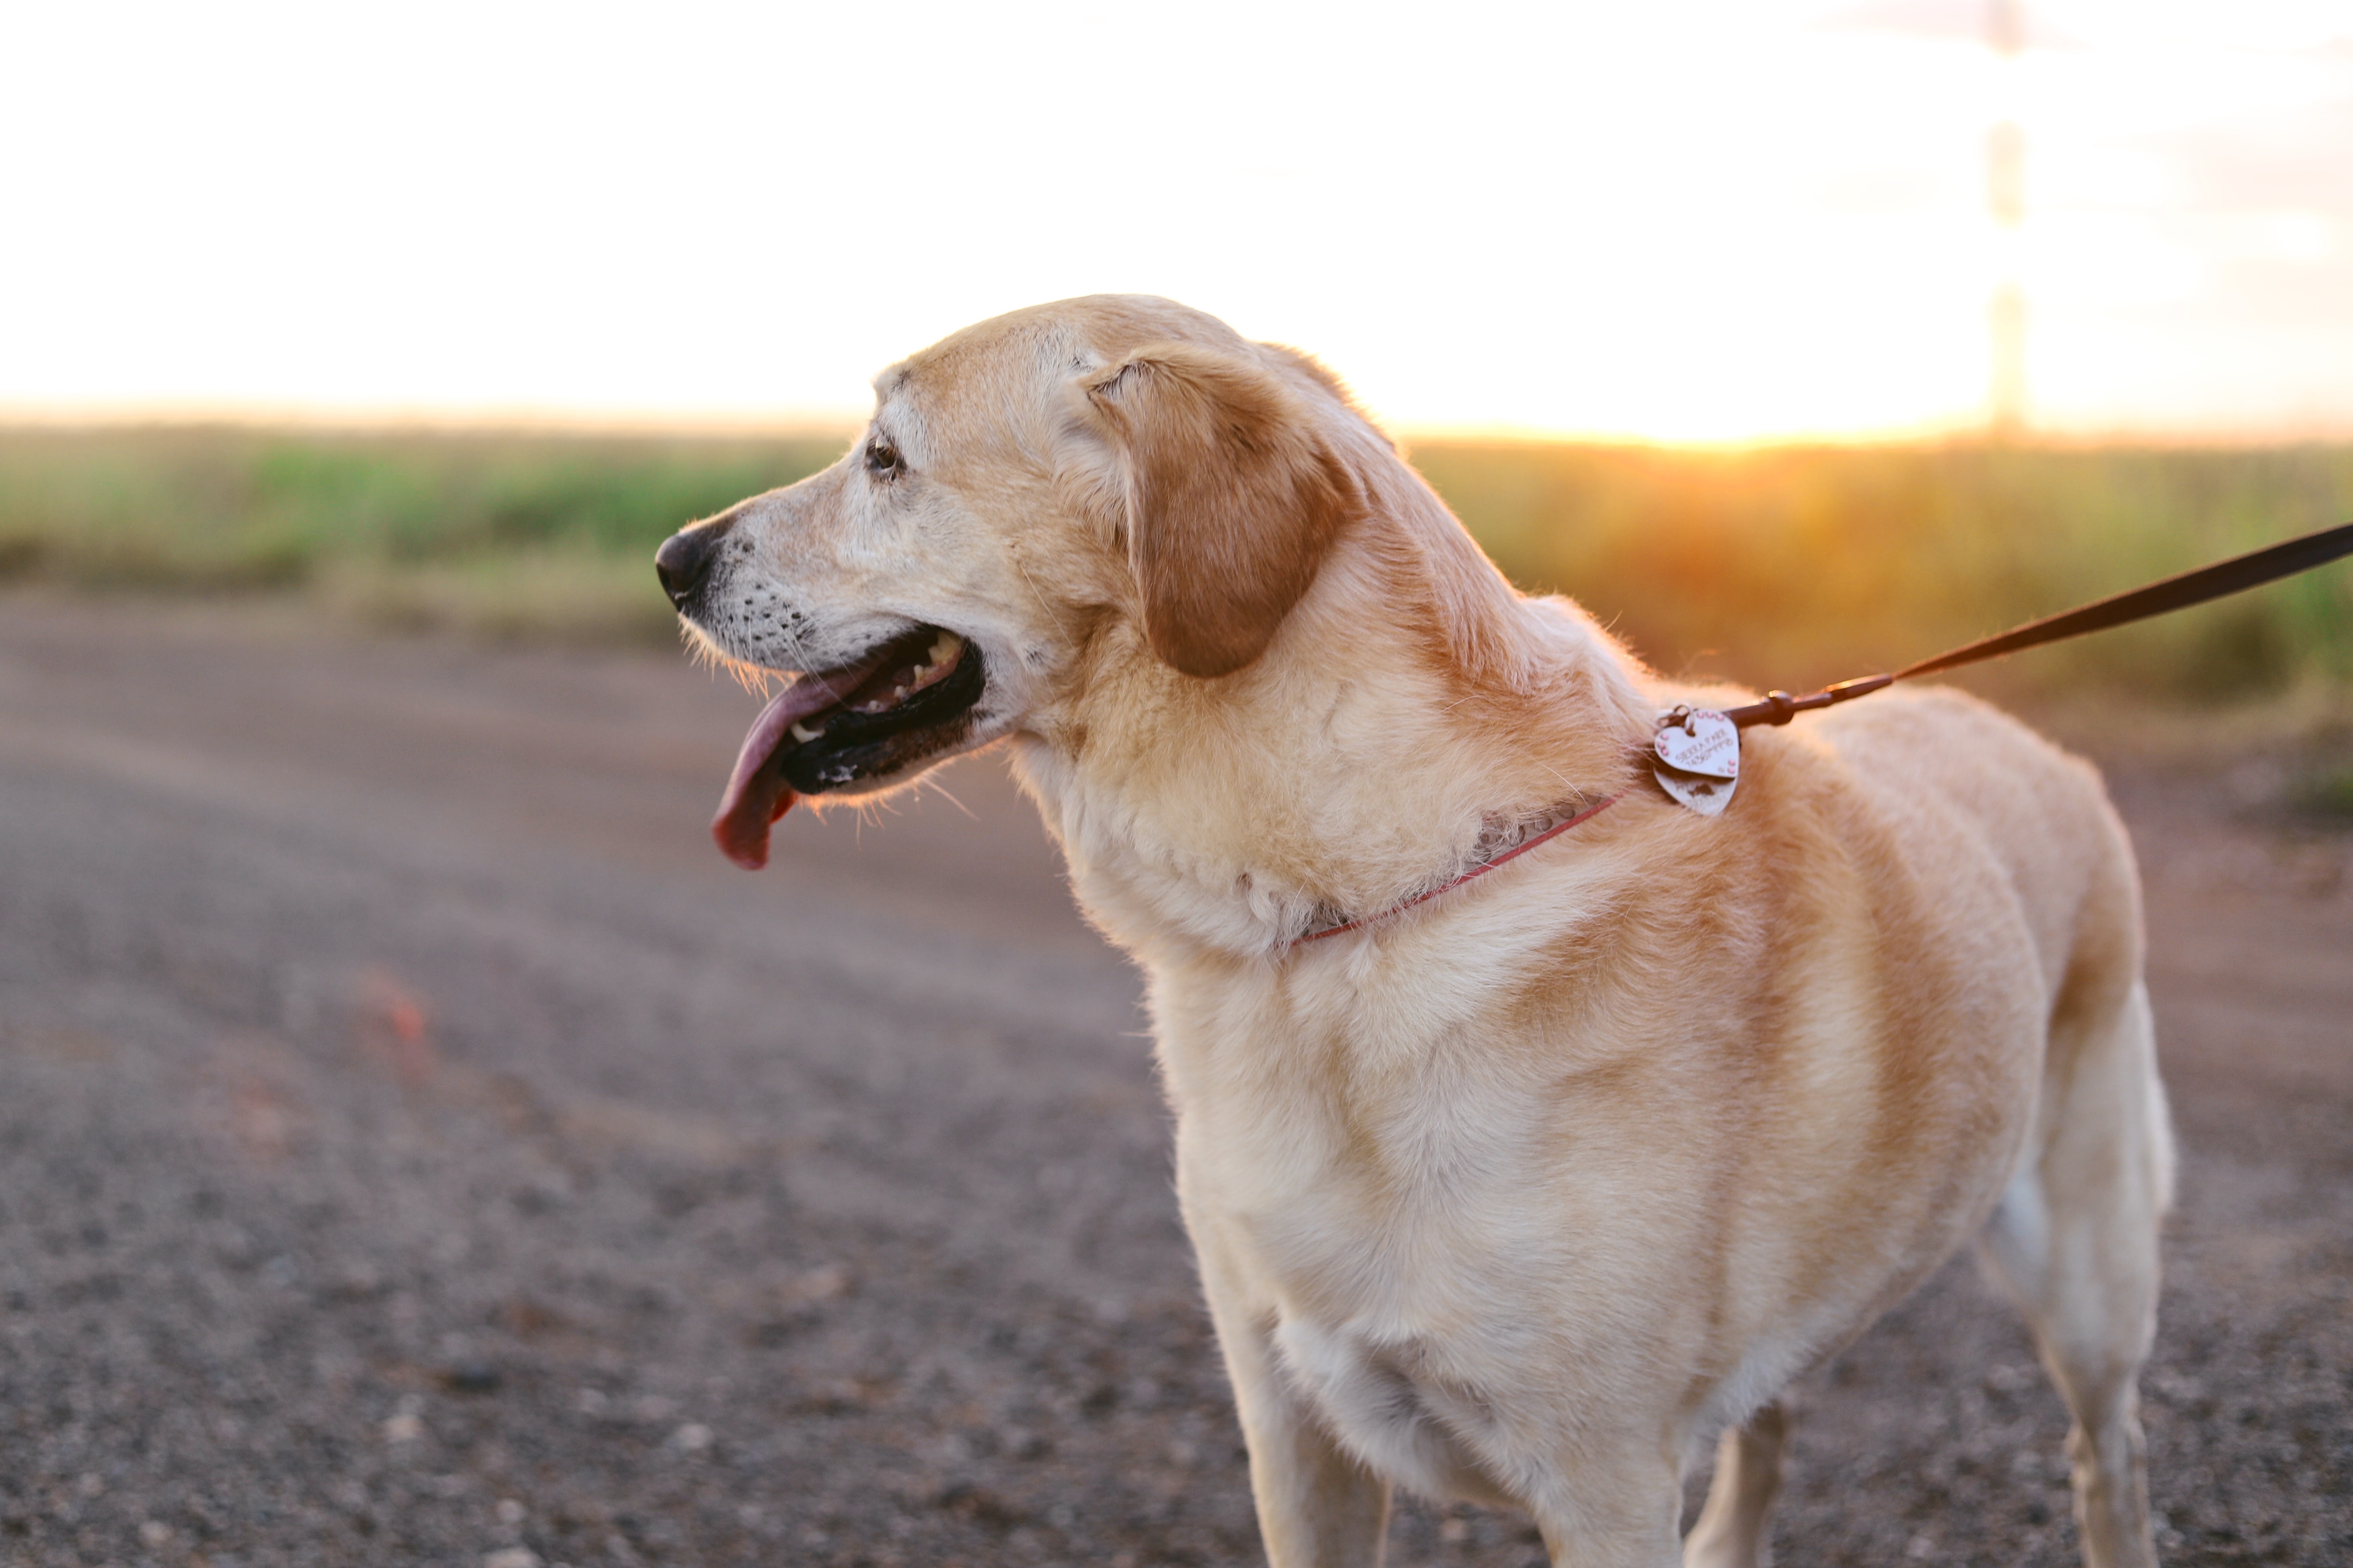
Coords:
pixel 684 559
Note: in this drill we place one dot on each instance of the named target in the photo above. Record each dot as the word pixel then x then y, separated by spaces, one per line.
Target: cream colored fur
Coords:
pixel 1530 1191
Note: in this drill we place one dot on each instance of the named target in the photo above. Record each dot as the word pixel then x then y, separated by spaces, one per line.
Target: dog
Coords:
pixel 1520 1189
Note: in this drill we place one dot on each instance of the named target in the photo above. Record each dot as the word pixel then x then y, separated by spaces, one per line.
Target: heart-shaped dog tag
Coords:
pixel 1705 796
pixel 1703 742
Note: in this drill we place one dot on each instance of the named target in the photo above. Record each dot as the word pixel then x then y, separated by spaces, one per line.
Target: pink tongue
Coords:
pixel 757 792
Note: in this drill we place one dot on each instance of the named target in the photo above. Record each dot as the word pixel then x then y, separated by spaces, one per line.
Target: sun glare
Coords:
pixel 1717 221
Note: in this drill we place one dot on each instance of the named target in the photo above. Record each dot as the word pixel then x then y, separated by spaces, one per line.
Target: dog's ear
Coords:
pixel 1232 500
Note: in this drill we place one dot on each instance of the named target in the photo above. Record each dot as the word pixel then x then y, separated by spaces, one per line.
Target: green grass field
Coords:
pixel 545 535
pixel 1786 566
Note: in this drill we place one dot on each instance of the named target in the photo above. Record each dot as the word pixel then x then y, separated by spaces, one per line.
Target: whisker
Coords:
pixel 960 805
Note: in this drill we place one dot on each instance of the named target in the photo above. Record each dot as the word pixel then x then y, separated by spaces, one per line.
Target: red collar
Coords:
pixel 1522 848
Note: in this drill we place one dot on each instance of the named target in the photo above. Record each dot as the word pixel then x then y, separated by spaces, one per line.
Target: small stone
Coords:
pixel 835 1397
pixel 1021 1443
pixel 691 1438
pixel 822 1284
pixel 405 1428
pixel 511 1557
pixel 470 1377
pixel 155 1531
pixel 510 1511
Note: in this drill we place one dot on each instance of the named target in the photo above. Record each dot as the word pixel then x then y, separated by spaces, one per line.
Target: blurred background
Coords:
pixel 416 1146
pixel 450 313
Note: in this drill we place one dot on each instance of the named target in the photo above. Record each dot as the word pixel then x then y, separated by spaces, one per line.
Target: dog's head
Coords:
pixel 1036 500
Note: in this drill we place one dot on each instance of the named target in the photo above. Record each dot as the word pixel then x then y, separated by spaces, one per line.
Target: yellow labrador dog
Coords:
pixel 1526 1191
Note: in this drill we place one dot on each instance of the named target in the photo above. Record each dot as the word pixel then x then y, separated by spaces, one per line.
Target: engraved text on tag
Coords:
pixel 1705 742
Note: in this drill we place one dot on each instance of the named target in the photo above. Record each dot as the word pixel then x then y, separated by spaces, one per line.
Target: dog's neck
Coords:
pixel 1411 702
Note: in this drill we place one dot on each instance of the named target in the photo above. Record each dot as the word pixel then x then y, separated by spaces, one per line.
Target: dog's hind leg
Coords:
pixel 1730 1530
pixel 2076 1240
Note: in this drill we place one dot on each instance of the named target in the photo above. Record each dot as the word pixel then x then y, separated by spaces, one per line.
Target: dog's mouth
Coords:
pixel 897 703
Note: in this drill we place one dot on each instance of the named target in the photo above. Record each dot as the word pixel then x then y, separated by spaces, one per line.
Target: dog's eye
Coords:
pixel 882 459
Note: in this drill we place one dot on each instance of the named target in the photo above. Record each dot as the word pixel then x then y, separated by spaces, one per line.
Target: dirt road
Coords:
pixel 416 1146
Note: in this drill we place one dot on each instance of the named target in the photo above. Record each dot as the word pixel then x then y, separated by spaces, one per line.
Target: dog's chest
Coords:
pixel 1396 1242
pixel 1371 1176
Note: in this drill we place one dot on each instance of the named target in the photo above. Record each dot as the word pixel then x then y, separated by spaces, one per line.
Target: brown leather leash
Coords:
pixel 1696 751
pixel 2219 581
pixel 1696 754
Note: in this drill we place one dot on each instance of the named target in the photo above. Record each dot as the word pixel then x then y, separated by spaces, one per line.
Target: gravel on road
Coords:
pixel 416 1146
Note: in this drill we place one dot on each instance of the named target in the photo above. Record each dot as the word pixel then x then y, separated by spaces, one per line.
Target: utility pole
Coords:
pixel 2005 202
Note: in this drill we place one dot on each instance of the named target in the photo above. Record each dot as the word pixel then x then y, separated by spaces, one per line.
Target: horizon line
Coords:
pixel 495 419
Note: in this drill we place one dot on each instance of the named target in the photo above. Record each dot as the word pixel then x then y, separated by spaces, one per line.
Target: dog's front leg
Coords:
pixel 1731 1530
pixel 1317 1507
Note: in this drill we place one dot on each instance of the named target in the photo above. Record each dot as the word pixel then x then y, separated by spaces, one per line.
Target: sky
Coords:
pixel 1714 220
